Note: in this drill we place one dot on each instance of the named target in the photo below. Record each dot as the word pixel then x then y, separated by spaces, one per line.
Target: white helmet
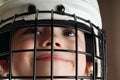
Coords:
pixel 83 15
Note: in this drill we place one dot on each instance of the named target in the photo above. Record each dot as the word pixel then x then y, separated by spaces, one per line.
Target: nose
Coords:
pixel 46 42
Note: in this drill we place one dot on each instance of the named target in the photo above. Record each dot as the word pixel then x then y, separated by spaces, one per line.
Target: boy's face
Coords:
pixel 64 63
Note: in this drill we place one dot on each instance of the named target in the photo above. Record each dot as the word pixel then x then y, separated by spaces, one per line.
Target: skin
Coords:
pixel 63 62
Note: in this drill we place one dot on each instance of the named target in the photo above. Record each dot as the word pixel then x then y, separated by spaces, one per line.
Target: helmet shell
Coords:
pixel 87 9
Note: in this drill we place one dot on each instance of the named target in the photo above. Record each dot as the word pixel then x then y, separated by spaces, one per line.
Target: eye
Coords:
pixel 31 31
pixel 69 33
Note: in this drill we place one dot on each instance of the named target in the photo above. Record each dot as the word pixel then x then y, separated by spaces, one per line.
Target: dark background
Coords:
pixel 110 12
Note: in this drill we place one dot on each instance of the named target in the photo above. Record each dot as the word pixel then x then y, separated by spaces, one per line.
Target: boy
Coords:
pixel 45 42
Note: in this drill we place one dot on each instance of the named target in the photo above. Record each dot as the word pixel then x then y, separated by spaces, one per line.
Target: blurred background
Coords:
pixel 110 11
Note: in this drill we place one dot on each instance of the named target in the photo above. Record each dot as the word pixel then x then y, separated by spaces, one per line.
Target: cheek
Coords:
pixel 72 45
pixel 22 63
pixel 81 45
pixel 81 64
pixel 23 44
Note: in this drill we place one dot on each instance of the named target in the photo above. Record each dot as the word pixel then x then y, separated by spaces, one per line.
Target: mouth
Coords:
pixel 48 57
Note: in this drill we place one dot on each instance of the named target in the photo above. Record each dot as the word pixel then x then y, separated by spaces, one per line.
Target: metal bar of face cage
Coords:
pixel 94 48
pixel 52 42
pixel 52 50
pixel 35 38
pixel 10 47
pixel 105 63
pixel 76 46
pixel 104 57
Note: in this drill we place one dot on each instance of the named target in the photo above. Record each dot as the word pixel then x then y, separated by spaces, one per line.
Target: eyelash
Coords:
pixel 69 33
pixel 31 31
pixel 66 32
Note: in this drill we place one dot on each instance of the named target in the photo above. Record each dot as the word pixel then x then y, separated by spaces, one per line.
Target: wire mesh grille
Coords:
pixel 97 60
